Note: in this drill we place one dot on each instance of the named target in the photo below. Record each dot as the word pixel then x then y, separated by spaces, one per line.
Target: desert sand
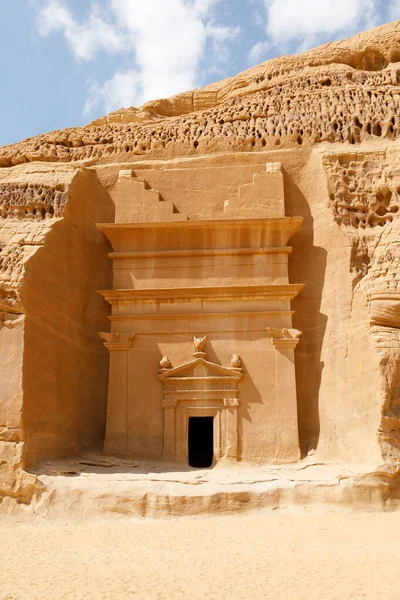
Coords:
pixel 258 555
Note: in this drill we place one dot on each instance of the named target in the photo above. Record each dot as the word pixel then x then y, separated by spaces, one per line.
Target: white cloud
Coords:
pixel 220 37
pixel 164 42
pixel 114 93
pixel 203 7
pixel 308 21
pixel 167 40
pixel 84 40
pixel 258 51
pixel 394 10
pixel 258 18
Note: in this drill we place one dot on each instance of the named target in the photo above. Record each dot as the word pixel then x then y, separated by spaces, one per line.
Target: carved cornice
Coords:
pixel 138 254
pixel 200 380
pixel 200 369
pixel 117 341
pixel 284 339
pixel 291 224
pixel 224 292
pixel 160 316
pixel 219 234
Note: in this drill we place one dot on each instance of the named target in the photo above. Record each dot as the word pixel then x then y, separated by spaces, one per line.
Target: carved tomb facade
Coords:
pixel 201 325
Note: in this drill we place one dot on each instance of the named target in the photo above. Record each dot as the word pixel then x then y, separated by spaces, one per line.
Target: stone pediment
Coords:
pixel 200 368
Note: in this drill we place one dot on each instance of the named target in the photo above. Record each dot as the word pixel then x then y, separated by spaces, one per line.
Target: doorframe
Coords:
pixel 213 423
pixel 204 411
pixel 207 389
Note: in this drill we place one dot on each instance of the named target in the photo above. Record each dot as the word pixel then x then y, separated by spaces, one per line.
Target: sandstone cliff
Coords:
pixel 331 117
pixel 341 92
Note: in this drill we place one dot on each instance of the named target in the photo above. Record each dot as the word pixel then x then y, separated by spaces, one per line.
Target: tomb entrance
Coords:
pixel 199 419
pixel 201 442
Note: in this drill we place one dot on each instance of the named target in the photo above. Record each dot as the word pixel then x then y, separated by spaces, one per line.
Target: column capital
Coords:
pixel 169 402
pixel 284 339
pixel 231 402
pixel 117 341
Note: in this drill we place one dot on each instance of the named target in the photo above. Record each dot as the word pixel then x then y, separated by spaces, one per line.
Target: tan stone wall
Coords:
pixel 338 399
pixel 11 406
pixel 65 364
pixel 200 186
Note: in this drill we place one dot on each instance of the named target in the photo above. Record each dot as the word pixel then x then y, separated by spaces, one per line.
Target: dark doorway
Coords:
pixel 201 441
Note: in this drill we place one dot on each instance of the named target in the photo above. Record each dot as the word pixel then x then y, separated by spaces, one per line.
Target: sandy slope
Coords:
pixel 259 555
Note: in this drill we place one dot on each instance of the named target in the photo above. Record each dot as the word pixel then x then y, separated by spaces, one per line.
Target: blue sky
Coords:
pixel 64 63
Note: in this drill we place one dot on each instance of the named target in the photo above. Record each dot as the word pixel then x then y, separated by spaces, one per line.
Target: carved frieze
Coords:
pixel 199 385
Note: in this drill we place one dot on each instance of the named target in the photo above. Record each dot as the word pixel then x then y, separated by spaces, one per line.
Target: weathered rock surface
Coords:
pixel 331 118
pixel 341 92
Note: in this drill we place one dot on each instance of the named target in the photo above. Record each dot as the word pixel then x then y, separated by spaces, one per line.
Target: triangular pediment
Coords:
pixel 201 369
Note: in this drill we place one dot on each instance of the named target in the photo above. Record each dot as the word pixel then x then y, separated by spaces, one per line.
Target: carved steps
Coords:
pixel 264 197
pixel 137 202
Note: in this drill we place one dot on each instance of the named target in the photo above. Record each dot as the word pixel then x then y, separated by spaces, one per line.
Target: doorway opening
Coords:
pixel 201 441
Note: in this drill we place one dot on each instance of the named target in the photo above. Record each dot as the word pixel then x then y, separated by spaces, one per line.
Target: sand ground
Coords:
pixel 272 555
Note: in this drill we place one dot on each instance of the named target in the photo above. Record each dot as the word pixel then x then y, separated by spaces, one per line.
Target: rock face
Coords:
pixel 342 92
pixel 330 119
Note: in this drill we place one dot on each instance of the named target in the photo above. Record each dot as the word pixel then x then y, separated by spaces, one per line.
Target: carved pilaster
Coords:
pixel 169 405
pixel 284 342
pixel 116 429
pixel 231 405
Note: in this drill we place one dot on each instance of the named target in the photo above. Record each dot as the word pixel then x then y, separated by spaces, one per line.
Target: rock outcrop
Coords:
pixel 331 118
pixel 340 92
